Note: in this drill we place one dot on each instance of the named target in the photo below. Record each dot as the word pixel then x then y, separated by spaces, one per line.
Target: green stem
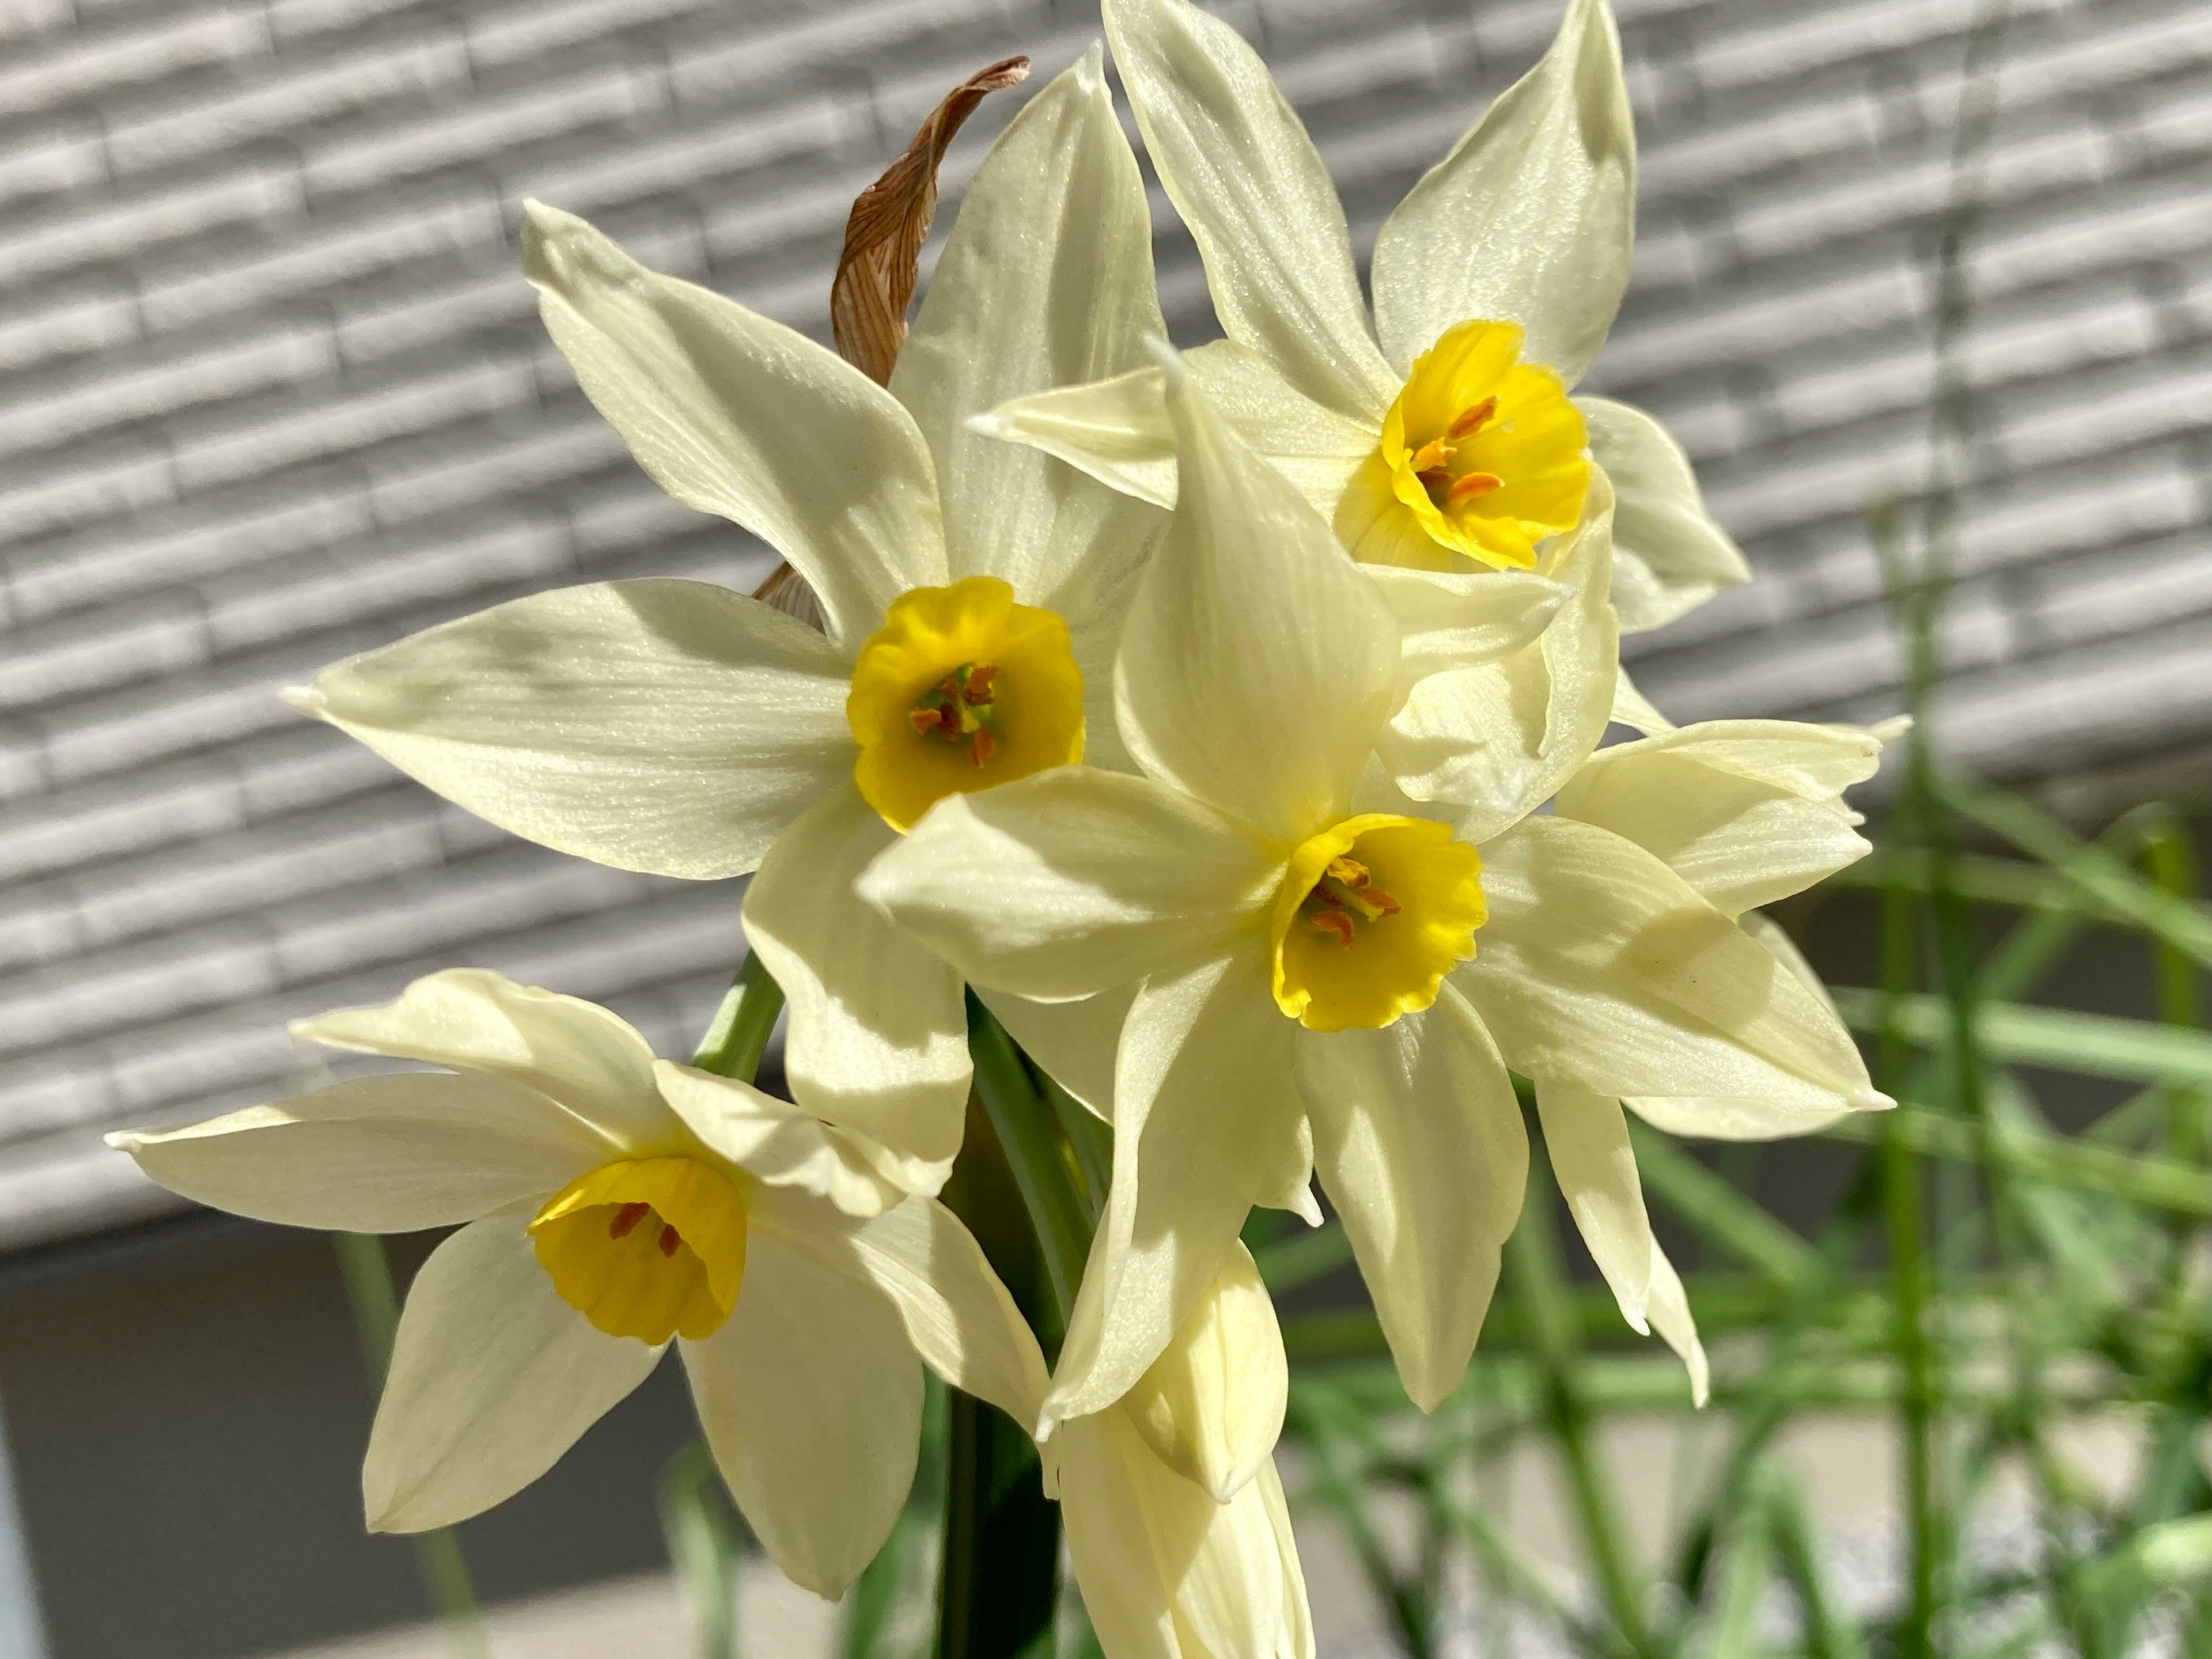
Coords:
pixel 367 1272
pixel 739 1034
pixel 2172 859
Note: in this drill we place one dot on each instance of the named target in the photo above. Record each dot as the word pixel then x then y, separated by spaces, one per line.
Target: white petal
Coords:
pixel 493 1377
pixel 1668 555
pixel 1746 811
pixel 381 1154
pixel 956 1313
pixel 1168 1573
pixel 877 1042
pixel 1447 620
pixel 732 414
pixel 1631 710
pixel 774 1141
pixel 1074 1042
pixel 591 1061
pixel 668 726
pixel 1248 181
pixel 811 1400
pixel 1207 1125
pixel 1211 1404
pixel 1258 662
pixel 1670 1317
pixel 1530 218
pixel 1420 1142
pixel 1713 1118
pixel 1601 967
pixel 1074 881
pixel 1497 738
pixel 1046 279
pixel 1587 1137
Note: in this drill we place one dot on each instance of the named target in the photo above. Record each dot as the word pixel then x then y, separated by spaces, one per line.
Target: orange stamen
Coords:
pixel 1472 484
pixel 626 1220
pixel 983 748
pixel 978 689
pixel 1335 922
pixel 1435 453
pixel 1473 419
pixel 670 1238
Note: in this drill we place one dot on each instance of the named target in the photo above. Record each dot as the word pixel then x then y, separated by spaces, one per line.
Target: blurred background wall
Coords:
pixel 272 391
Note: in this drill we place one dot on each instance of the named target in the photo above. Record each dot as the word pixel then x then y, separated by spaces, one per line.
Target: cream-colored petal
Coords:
pixel 1248 181
pixel 877 1038
pixel 1258 662
pixel 1587 1139
pixel 734 415
pixel 957 1314
pixel 1447 620
pixel 1045 280
pixel 1211 1404
pixel 1496 740
pixel 493 1377
pixel 1715 1118
pixel 381 1154
pixel 1530 218
pixel 774 1141
pixel 1601 967
pixel 1632 709
pixel 1668 555
pixel 1746 811
pixel 1420 1142
pixel 1074 881
pixel 1207 1125
pixel 1168 1573
pixel 811 1400
pixel 591 1061
pixel 669 726
pixel 1670 1318
pixel 1074 1042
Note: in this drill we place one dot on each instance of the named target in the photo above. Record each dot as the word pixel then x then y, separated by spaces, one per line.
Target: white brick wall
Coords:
pixel 274 393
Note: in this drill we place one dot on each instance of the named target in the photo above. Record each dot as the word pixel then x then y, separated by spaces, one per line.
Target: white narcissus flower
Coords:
pixel 1175 1518
pixel 1304 942
pixel 612 1202
pixel 971 591
pixel 1452 445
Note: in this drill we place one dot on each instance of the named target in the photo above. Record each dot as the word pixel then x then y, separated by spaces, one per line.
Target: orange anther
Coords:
pixel 1473 419
pixel 670 1238
pixel 1381 900
pixel 983 748
pixel 978 690
pixel 1333 921
pixel 1349 871
pixel 626 1218
pixel 1472 484
pixel 926 720
pixel 1435 453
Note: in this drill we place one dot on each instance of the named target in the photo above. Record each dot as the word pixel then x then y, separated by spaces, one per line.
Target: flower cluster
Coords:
pixel 1228 724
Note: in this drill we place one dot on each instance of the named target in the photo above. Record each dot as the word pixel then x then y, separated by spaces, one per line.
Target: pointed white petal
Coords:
pixel 1045 280
pixel 1248 181
pixel 1074 881
pixel 576 1052
pixel 1601 967
pixel 1168 1573
pixel 669 726
pixel 1530 218
pixel 493 1377
pixel 1746 811
pixel 930 1269
pixel 1207 1125
pixel 1447 620
pixel 1496 740
pixel 1670 1317
pixel 1632 710
pixel 1587 1139
pixel 1668 556
pixel 381 1154
pixel 1418 1138
pixel 877 1042
pixel 735 414
pixel 811 1400
pixel 1258 662
pixel 774 1141
pixel 1074 1042
pixel 1211 1404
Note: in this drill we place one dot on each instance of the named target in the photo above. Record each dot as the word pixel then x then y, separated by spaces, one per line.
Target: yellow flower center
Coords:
pixel 961 688
pixel 1482 457
pixel 650 1247
pixel 1371 917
